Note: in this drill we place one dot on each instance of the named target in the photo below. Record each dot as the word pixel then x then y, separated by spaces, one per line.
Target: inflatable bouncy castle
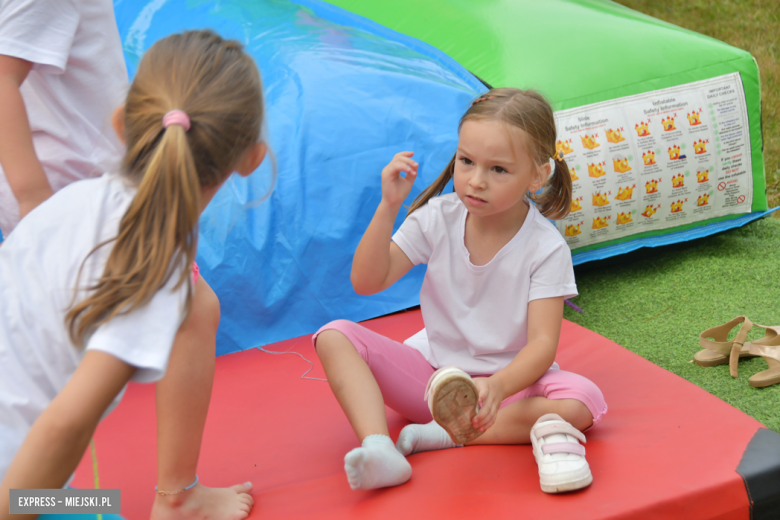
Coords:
pixel 638 102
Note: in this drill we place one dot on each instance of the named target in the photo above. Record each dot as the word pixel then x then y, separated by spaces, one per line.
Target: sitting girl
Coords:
pixel 97 280
pixel 492 302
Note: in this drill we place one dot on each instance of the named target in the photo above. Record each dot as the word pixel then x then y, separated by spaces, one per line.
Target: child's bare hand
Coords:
pixel 489 399
pixel 396 188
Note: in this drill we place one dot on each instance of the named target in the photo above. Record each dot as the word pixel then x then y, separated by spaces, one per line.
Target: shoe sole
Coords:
pixel 454 405
pixel 563 487
pixel 764 380
pixel 720 360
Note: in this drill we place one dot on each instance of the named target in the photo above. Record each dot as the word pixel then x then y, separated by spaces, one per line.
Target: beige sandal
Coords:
pixel 768 348
pixel 721 351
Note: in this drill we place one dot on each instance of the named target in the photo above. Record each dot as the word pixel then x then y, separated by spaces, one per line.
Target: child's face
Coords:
pixel 493 169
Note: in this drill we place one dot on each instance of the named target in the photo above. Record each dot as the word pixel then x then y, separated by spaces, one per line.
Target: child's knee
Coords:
pixel 330 340
pixel 576 413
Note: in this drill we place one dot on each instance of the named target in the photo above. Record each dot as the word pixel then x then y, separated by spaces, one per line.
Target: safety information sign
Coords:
pixel 656 160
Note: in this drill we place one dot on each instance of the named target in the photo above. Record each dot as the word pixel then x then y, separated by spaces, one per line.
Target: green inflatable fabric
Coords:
pixel 576 52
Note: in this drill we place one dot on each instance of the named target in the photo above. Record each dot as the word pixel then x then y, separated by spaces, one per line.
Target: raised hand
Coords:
pixel 395 188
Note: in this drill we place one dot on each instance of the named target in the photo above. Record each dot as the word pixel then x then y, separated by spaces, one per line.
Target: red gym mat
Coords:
pixel 666 448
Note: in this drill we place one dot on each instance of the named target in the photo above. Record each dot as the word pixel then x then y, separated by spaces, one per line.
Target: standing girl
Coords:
pixel 492 302
pixel 96 282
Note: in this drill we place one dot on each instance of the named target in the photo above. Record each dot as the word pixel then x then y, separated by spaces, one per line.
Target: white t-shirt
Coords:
pixel 39 265
pixel 77 80
pixel 476 316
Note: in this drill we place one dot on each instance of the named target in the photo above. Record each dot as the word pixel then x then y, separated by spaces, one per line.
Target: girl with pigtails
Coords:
pixel 98 280
pixel 483 369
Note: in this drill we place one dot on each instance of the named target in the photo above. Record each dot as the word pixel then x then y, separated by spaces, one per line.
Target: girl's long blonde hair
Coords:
pixel 530 112
pixel 218 86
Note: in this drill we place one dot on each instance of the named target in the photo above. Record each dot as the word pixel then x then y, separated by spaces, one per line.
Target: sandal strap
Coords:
pixel 771 337
pixel 721 345
pixel 558 427
pixel 564 447
pixel 765 351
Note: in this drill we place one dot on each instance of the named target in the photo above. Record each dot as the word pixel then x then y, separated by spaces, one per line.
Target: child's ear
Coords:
pixel 118 122
pixel 540 178
pixel 251 159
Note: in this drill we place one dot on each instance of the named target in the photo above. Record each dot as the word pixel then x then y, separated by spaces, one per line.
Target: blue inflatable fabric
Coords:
pixel 343 95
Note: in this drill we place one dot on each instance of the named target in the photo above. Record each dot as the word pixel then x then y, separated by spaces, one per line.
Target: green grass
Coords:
pixel 656 301
pixel 752 25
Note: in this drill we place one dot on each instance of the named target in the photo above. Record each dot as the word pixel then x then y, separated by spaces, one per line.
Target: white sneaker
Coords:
pixel 452 398
pixel 559 455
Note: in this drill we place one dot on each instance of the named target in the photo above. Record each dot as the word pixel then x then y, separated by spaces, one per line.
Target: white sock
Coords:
pixel 377 464
pixel 415 438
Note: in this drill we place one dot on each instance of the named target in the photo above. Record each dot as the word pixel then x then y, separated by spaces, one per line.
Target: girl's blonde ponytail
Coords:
pixel 555 200
pixel 156 238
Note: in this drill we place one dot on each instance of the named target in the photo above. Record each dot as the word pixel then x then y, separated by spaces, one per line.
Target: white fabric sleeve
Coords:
pixel 144 337
pixel 554 276
pixel 39 31
pixel 411 236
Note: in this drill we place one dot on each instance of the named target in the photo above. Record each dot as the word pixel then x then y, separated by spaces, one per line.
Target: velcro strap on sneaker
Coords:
pixel 558 427
pixel 564 447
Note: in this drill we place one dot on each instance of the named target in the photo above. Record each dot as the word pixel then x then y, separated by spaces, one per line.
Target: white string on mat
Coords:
pixel 311 365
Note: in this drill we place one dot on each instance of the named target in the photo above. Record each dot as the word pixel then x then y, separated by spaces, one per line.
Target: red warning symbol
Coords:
pixel 740 199
pixel 721 186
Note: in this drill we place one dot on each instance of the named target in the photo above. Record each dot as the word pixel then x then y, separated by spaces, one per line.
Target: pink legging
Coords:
pixel 402 374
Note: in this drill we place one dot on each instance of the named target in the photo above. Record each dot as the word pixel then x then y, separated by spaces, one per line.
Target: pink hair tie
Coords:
pixel 176 117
